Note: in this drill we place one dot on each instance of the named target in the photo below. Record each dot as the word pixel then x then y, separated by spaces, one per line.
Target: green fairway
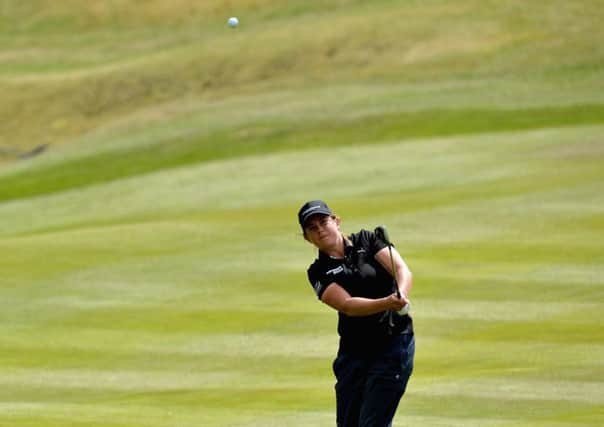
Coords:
pixel 152 272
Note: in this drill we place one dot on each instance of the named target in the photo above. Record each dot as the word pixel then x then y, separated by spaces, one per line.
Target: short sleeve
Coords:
pixel 318 280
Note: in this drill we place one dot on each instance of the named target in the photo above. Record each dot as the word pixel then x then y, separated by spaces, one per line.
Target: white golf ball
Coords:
pixel 233 22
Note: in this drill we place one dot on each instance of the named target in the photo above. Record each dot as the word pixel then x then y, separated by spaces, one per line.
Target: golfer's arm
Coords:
pixel 403 275
pixel 338 298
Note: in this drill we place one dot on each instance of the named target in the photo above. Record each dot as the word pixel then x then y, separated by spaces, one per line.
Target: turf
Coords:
pixel 152 271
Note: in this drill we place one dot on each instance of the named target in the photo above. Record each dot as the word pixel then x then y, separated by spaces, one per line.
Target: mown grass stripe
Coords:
pixel 508 311
pixel 499 407
pixel 121 164
pixel 517 388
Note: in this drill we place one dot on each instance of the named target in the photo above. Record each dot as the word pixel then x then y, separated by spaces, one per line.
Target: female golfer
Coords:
pixel 353 275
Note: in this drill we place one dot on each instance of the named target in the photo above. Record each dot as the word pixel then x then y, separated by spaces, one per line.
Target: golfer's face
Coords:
pixel 322 230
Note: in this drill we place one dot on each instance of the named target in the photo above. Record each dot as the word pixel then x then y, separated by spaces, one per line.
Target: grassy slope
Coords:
pixel 152 271
pixel 118 65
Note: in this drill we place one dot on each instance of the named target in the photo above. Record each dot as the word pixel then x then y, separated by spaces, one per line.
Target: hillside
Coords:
pixel 69 71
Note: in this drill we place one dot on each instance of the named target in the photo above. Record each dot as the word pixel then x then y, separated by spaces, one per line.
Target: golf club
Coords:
pixel 382 233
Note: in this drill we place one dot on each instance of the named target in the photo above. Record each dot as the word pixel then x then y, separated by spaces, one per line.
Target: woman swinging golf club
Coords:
pixel 355 275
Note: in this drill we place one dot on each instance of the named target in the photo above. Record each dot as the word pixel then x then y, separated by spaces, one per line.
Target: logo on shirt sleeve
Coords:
pixel 318 287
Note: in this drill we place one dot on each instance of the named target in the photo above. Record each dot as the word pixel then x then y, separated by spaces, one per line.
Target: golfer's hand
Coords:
pixel 396 303
pixel 406 305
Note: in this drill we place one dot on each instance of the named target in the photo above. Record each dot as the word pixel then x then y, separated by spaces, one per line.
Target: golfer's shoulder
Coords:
pixel 366 240
pixel 362 237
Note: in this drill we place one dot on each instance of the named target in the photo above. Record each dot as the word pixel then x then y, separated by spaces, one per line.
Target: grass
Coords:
pixel 264 137
pixel 153 273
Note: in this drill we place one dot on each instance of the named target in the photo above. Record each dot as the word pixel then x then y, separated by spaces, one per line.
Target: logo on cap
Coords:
pixel 312 207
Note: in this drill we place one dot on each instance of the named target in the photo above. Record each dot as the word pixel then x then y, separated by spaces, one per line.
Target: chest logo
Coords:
pixel 335 270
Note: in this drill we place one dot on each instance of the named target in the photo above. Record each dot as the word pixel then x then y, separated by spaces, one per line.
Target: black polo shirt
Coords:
pixel 362 276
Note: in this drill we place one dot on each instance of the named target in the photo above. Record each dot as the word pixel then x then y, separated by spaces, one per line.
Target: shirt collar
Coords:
pixel 347 249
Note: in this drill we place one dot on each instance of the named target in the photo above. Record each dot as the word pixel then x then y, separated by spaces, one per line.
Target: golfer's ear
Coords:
pixel 338 220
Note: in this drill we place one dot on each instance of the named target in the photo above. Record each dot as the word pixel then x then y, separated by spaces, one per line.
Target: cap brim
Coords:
pixel 320 211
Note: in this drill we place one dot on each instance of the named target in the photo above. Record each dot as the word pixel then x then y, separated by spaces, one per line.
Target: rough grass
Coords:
pixel 152 271
pixel 124 61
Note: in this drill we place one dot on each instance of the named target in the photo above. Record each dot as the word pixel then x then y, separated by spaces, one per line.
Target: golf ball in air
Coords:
pixel 233 22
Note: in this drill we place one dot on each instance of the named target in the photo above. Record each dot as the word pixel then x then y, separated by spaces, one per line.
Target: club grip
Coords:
pixel 382 233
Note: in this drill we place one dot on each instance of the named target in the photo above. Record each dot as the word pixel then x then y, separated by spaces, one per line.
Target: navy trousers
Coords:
pixel 369 387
